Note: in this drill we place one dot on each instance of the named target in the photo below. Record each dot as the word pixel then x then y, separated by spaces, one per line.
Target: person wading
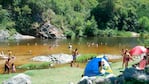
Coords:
pixel 74 56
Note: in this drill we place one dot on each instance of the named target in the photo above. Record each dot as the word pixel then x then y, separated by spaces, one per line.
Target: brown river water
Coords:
pixel 24 50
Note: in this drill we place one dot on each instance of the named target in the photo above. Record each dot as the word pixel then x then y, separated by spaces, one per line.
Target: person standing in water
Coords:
pixel 74 56
pixel 7 66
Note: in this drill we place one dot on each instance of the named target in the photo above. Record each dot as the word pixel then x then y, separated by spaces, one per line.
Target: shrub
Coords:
pixel 34 66
pixel 85 57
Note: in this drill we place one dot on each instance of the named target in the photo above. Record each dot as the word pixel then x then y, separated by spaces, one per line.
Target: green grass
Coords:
pixel 6 76
pixel 85 57
pixel 61 75
pixel 29 66
pixel 117 66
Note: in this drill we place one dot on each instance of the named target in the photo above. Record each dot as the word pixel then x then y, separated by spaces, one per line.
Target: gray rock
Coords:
pixel 18 79
pixel 120 79
pixel 100 81
pixel 50 31
pixel 147 70
pixel 4 34
pixel 85 80
pixel 54 58
pixel 130 73
pixel 141 77
pixel 41 59
pixel 20 36
pixel 135 76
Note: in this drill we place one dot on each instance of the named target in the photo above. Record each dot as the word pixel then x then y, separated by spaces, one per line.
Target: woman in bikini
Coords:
pixel 127 58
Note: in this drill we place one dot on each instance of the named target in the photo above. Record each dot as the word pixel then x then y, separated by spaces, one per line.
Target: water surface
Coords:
pixel 24 50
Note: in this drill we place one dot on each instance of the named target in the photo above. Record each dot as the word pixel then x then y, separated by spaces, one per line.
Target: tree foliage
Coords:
pixel 75 17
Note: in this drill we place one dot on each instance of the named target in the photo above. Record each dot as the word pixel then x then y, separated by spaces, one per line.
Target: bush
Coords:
pixel 124 34
pixel 113 33
pixel 30 66
pixel 69 34
pixel 85 57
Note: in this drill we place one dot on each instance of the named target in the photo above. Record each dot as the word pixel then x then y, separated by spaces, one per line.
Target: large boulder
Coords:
pixel 4 34
pixel 20 36
pixel 87 80
pixel 130 73
pixel 147 70
pixel 135 76
pixel 41 59
pixel 100 81
pixel 18 79
pixel 50 31
pixel 54 58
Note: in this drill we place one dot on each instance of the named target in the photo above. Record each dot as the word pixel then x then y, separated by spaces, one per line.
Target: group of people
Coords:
pixel 9 63
pixel 127 57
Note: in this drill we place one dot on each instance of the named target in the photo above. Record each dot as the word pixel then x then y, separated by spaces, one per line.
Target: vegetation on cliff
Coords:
pixel 76 17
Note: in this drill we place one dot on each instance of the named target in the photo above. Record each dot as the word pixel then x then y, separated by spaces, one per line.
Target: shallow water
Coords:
pixel 24 50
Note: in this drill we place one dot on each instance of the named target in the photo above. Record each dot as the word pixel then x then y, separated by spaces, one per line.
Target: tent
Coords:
pixel 92 67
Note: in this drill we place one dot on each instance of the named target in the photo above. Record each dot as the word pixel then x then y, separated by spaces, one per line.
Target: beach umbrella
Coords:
pixel 137 50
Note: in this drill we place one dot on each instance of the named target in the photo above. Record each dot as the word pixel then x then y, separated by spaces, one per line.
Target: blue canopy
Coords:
pixel 92 67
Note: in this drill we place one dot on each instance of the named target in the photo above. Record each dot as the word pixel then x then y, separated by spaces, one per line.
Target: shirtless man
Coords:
pixel 7 65
pixel 74 55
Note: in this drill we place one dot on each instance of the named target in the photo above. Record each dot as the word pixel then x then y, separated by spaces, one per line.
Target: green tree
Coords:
pixel 91 28
pixel 5 21
pixel 103 12
pixel 144 24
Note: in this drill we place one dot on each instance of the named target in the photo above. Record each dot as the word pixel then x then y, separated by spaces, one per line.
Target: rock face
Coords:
pixel 54 58
pixel 19 36
pixel 49 31
pixel 134 75
pixel 18 79
pixel 4 34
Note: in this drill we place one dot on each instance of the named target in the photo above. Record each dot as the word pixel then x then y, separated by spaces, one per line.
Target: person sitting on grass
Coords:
pixel 142 64
pixel 101 67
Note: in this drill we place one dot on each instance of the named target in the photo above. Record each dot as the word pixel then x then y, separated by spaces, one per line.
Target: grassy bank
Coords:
pixel 61 75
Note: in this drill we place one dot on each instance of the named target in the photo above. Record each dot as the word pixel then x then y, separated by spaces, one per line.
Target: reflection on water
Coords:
pixel 26 49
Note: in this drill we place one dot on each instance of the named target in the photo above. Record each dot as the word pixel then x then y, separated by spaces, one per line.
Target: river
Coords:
pixel 24 50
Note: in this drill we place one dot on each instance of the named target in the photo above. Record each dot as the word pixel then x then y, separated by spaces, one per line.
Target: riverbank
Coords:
pixel 61 75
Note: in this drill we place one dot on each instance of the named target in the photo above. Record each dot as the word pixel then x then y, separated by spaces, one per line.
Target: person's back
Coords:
pixel 142 63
